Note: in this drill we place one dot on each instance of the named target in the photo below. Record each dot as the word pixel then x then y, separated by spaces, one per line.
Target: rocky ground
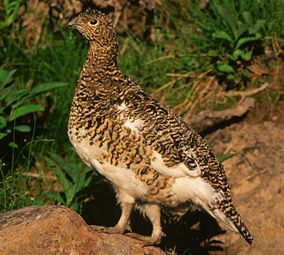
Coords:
pixel 256 177
pixel 53 230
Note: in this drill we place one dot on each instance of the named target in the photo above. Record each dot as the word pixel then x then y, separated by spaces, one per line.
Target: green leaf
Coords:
pixel 222 35
pixel 74 206
pixel 225 68
pixel 244 40
pixel 44 87
pixel 242 28
pixel 15 95
pixel 55 164
pixel 3 75
pixel 3 122
pixel 6 77
pixel 5 92
pixel 23 128
pixel 56 197
pixel 4 134
pixel 247 17
pixel 213 53
pixel 246 55
pixel 13 145
pixel 254 29
pixel 236 54
pixel 225 157
pixel 24 110
pixel 70 177
pixel 230 19
pixel 231 77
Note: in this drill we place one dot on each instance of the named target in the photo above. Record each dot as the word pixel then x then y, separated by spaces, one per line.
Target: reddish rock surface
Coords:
pixel 58 230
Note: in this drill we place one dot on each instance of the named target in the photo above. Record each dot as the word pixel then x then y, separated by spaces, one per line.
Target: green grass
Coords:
pixel 59 60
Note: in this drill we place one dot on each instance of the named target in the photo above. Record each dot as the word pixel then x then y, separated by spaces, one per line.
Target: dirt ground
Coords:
pixel 256 177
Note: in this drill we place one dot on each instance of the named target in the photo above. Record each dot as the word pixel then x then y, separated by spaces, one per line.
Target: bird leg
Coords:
pixel 153 213
pixel 126 204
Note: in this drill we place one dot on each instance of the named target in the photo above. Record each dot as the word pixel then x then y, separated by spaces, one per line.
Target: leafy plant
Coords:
pixel 72 179
pixel 235 28
pixel 16 103
pixel 9 12
pixel 229 33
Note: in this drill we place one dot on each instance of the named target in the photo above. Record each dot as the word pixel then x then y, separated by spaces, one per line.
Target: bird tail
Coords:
pixel 233 221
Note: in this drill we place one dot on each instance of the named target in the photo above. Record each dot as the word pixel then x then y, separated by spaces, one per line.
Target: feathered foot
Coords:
pixel 123 223
pixel 153 213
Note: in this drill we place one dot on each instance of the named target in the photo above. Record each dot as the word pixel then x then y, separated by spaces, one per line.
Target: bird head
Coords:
pixel 96 27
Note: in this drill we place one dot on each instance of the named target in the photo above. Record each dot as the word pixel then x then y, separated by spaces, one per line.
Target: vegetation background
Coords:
pixel 190 55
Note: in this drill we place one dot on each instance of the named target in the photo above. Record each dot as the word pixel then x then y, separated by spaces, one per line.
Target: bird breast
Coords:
pixel 119 175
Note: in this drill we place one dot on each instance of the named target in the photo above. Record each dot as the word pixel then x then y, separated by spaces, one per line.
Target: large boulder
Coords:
pixel 59 230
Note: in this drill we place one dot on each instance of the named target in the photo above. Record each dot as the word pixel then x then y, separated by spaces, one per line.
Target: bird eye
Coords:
pixel 93 22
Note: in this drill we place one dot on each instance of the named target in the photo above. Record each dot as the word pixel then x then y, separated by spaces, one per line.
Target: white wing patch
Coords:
pixel 122 107
pixel 133 124
pixel 180 170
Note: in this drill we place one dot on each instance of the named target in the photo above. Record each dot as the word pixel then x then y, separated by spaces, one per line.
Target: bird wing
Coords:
pixel 178 170
pixel 173 143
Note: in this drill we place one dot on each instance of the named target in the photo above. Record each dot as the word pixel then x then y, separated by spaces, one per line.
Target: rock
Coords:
pixel 59 230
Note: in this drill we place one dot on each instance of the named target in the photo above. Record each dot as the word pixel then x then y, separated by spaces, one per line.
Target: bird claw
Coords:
pixel 147 240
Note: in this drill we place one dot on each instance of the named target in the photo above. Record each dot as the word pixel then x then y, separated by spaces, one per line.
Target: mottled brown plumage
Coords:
pixel 153 159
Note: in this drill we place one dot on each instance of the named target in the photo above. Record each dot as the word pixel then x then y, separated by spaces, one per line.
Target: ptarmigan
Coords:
pixel 153 159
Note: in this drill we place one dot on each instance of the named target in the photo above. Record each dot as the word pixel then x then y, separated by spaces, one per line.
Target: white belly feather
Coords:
pixel 122 177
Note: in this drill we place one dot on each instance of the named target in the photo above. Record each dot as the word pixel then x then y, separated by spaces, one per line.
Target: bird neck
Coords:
pixel 98 73
pixel 100 58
